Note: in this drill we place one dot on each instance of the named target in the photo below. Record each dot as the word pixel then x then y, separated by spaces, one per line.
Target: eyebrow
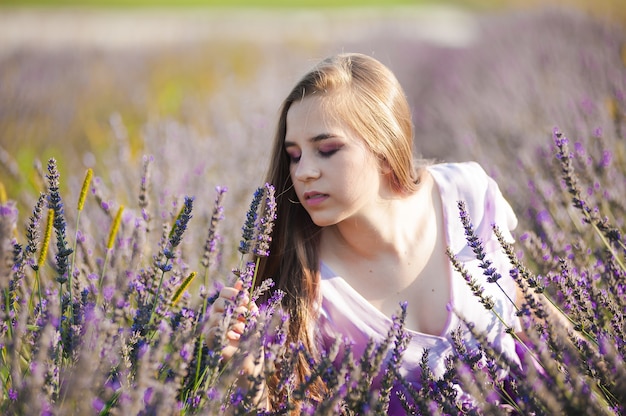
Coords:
pixel 314 139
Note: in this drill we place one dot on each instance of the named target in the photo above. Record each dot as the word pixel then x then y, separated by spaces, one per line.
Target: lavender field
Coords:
pixel 130 151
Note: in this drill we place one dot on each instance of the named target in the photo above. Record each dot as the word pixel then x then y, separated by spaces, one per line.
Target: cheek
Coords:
pixel 364 172
pixel 295 185
pixel 364 182
pixel 292 171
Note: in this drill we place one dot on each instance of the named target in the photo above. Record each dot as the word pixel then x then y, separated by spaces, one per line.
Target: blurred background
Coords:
pixel 196 85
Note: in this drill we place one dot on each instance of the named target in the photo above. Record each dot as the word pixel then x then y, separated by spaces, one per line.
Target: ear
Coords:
pixel 385 168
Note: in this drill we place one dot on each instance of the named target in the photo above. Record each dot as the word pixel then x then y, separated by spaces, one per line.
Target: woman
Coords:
pixel 362 226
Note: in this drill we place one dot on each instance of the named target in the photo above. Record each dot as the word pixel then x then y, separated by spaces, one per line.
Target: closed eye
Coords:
pixel 324 150
pixel 328 149
pixel 328 153
pixel 294 157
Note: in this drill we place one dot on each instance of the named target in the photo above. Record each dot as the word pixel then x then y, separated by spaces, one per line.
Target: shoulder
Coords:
pixel 458 171
pixel 484 203
pixel 465 181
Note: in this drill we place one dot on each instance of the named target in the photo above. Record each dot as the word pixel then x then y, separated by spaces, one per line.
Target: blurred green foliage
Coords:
pixel 70 114
pixel 291 4
pixel 214 3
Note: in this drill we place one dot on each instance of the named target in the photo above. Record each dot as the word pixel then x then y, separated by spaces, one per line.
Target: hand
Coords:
pixel 242 311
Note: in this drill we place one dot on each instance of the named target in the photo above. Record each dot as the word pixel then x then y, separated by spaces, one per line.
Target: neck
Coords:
pixel 391 228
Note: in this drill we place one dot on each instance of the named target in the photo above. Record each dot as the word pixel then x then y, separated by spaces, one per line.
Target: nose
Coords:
pixel 306 170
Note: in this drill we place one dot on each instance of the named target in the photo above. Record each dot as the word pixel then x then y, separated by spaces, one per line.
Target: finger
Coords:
pixel 233 335
pixel 222 303
pixel 217 314
pixel 241 312
pixel 231 293
pixel 229 350
pixel 218 306
pixel 234 289
pixel 238 328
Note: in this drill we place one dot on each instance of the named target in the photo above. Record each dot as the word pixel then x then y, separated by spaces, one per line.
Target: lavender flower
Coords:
pixel 210 245
pixel 12 395
pixel 32 230
pixel 176 233
pixel 248 229
pixel 266 223
pixel 476 245
pixel 129 364
pixel 611 233
pixel 477 290
pixel 55 203
pixel 401 340
pixel 144 188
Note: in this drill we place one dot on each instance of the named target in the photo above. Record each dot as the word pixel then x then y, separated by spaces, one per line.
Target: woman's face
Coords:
pixel 335 176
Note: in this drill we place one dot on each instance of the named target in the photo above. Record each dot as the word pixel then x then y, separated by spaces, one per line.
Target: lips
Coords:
pixel 313 197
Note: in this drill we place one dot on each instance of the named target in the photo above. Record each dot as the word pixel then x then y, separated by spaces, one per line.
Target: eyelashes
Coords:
pixel 295 158
pixel 328 153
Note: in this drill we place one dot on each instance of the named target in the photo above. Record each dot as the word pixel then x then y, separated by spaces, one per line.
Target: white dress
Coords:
pixel 344 313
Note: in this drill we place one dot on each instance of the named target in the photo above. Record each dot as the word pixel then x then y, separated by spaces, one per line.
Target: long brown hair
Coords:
pixel 366 96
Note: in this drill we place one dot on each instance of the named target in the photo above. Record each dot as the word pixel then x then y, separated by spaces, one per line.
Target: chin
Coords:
pixel 323 221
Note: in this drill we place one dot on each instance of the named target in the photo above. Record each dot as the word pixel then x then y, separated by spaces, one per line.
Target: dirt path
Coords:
pixel 67 28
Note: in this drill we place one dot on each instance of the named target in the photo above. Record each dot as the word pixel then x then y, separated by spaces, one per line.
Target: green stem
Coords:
pixel 198 361
pixel 518 339
pixel 156 294
pixel 508 297
pixel 104 267
pixel 61 306
pixel 205 282
pixel 510 400
pixel 38 282
pixel 205 304
pixel 574 323
pixel 7 305
pixel 610 247
pixel 256 268
pixel 69 277
pixel 509 329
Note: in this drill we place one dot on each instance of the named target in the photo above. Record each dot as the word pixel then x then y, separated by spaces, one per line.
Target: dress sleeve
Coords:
pixel 497 211
pixel 486 206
